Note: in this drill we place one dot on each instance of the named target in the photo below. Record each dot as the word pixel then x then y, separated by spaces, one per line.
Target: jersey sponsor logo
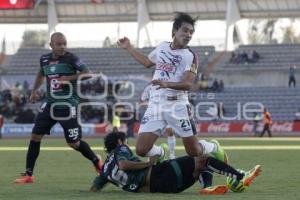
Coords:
pixel 167 67
pixel 55 85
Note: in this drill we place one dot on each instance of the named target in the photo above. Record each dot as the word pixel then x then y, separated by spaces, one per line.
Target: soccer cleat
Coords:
pixel 99 165
pixel 220 154
pixel 216 190
pixel 165 147
pixel 251 175
pixel 24 179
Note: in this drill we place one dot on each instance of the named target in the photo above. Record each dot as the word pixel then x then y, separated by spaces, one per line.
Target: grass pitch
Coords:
pixel 63 174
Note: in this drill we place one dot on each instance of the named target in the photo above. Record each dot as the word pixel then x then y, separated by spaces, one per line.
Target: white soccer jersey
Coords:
pixel 170 66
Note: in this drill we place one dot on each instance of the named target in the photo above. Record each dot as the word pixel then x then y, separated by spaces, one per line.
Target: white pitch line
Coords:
pixel 245 147
pixel 255 138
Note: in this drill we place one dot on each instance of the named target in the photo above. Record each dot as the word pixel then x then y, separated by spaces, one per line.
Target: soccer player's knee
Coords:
pixel 193 151
pixel 36 138
pixel 74 145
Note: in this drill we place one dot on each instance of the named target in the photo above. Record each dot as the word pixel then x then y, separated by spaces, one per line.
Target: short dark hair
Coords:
pixel 180 18
pixel 55 35
pixel 111 140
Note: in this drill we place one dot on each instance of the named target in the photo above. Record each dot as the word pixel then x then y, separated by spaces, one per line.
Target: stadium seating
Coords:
pixel 282 102
pixel 110 61
pixel 118 66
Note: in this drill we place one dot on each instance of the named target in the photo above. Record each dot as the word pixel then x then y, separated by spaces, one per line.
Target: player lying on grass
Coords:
pixel 124 169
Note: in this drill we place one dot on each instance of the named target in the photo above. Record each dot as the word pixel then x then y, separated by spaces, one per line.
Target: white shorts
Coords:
pixel 174 114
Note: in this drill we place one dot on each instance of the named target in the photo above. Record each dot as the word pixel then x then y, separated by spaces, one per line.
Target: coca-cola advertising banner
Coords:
pixel 248 127
pixel 16 4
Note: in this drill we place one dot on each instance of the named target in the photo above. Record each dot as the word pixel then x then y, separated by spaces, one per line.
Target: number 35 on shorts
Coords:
pixel 73 133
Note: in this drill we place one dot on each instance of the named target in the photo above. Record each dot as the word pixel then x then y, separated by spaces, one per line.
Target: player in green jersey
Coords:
pixel 61 70
pixel 124 169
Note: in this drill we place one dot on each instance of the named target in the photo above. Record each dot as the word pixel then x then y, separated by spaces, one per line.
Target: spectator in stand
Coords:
pixel 244 59
pixel 220 110
pixel 292 79
pixel 215 86
pixel 267 123
pixel 24 116
pixel 233 57
pixel 254 57
pixel 221 85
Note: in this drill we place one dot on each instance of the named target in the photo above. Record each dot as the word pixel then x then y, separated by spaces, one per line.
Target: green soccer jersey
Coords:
pixel 128 180
pixel 53 68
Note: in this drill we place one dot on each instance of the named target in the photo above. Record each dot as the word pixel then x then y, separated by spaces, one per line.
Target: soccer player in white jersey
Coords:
pixel 175 72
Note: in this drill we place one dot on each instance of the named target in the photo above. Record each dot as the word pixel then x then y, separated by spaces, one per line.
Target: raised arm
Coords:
pixel 124 43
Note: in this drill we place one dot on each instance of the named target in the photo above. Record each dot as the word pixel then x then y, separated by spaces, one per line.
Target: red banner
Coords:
pixel 16 4
pixel 246 127
pixel 287 128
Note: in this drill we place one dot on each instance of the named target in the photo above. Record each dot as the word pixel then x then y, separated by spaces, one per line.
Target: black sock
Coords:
pixel 206 178
pixel 87 152
pixel 222 168
pixel 32 155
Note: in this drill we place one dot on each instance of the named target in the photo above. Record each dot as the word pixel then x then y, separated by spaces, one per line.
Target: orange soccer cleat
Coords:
pixel 216 190
pixel 24 179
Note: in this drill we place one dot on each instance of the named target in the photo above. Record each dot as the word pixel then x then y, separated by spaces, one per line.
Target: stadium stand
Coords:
pixel 118 66
pixel 282 102
pixel 110 61
pixel 272 56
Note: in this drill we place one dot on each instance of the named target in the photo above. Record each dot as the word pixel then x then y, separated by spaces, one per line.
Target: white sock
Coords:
pixel 208 147
pixel 155 150
pixel 172 144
